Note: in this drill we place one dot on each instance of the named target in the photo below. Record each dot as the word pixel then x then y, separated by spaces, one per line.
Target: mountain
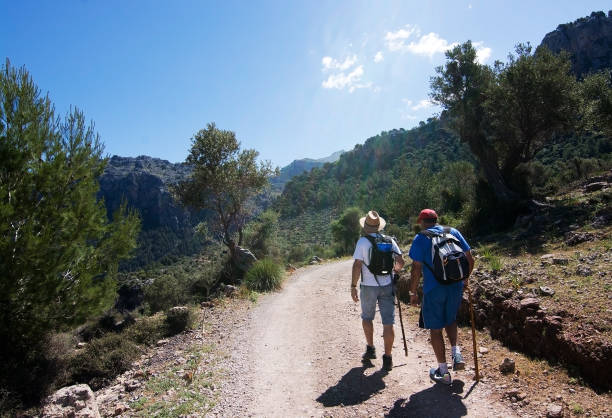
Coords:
pixel 588 40
pixel 298 167
pixel 167 227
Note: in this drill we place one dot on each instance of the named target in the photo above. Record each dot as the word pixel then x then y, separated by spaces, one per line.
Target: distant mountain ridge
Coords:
pixel 167 227
pixel 297 167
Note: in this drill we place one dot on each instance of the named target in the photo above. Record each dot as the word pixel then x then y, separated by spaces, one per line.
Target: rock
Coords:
pixel 593 187
pixel 483 350
pixel 547 257
pixel 603 217
pixel 587 40
pixel 177 319
pixel 161 343
pixel 139 374
pixel 120 408
pixel 575 238
pixel 507 366
pixel 244 258
pixel 560 261
pixel 530 304
pixel 207 304
pixel 546 291
pixel 72 401
pixel 229 289
pixel 132 385
pixel 554 411
pixel 81 345
pixel 144 183
pixel 583 270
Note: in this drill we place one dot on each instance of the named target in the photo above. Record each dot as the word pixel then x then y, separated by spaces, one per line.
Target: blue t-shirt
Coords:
pixel 421 251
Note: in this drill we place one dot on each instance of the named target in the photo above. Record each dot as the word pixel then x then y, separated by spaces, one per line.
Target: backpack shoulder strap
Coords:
pixel 371 239
pixel 429 234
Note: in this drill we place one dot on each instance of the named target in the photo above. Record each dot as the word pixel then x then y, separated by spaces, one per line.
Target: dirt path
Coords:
pixel 299 355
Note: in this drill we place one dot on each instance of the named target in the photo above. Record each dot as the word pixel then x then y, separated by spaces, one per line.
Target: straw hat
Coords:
pixel 372 222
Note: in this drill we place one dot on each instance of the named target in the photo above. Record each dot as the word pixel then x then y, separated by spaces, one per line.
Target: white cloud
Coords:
pixel 379 57
pixel 341 80
pixel 422 104
pixel 428 45
pixel 330 63
pixel 409 107
pixel 470 6
pixel 395 40
pixel 483 53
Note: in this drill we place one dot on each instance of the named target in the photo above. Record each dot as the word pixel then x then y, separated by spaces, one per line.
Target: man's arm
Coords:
pixel 356 274
pixel 415 278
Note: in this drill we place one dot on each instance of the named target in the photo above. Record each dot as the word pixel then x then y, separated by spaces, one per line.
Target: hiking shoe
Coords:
pixel 458 362
pixel 369 354
pixel 436 376
pixel 387 363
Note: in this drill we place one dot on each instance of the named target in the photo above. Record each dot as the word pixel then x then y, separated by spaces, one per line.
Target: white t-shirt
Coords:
pixel 363 252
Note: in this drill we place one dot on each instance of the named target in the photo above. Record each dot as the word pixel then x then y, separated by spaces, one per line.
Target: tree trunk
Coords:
pixel 495 179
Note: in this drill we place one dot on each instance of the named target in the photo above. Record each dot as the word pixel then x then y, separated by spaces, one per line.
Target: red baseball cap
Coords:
pixel 427 214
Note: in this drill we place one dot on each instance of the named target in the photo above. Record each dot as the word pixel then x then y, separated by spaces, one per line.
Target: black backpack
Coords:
pixel 381 258
pixel 450 264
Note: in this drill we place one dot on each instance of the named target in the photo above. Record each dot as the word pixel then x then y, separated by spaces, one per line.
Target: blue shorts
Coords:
pixel 369 295
pixel 440 305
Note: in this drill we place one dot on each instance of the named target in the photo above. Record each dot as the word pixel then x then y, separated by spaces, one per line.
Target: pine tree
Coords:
pixel 58 249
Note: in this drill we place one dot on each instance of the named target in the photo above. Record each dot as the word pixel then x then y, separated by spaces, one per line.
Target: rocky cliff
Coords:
pixel 167 228
pixel 588 40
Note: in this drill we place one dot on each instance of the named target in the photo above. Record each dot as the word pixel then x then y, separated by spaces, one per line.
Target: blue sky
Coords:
pixel 292 79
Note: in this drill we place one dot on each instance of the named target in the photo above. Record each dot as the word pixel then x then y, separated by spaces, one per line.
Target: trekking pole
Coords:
pixel 477 376
pixel 399 308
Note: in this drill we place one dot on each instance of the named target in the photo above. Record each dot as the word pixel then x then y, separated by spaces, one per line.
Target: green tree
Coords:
pixel 261 235
pixel 508 114
pixel 460 88
pixel 596 92
pixel 346 230
pixel 532 101
pixel 58 249
pixel 224 181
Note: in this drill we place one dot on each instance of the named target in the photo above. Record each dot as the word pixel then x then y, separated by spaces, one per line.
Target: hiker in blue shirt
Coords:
pixel 440 301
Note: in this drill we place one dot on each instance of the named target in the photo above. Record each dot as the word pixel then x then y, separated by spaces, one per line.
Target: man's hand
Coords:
pixel 414 299
pixel 354 294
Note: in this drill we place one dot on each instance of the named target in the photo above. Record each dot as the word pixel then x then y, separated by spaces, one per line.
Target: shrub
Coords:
pixel 148 330
pixel 103 359
pixel 178 319
pixel 299 253
pixel 264 276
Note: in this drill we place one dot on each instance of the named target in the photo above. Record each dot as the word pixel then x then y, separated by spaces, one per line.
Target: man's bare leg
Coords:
pixel 368 330
pixel 388 337
pixel 437 342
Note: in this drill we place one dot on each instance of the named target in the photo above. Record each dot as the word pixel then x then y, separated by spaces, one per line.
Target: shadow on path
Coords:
pixel 437 401
pixel 354 388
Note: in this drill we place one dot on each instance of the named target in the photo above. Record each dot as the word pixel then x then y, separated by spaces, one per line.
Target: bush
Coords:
pixel 103 359
pixel 264 276
pixel 299 253
pixel 261 235
pixel 148 330
pixel 178 319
